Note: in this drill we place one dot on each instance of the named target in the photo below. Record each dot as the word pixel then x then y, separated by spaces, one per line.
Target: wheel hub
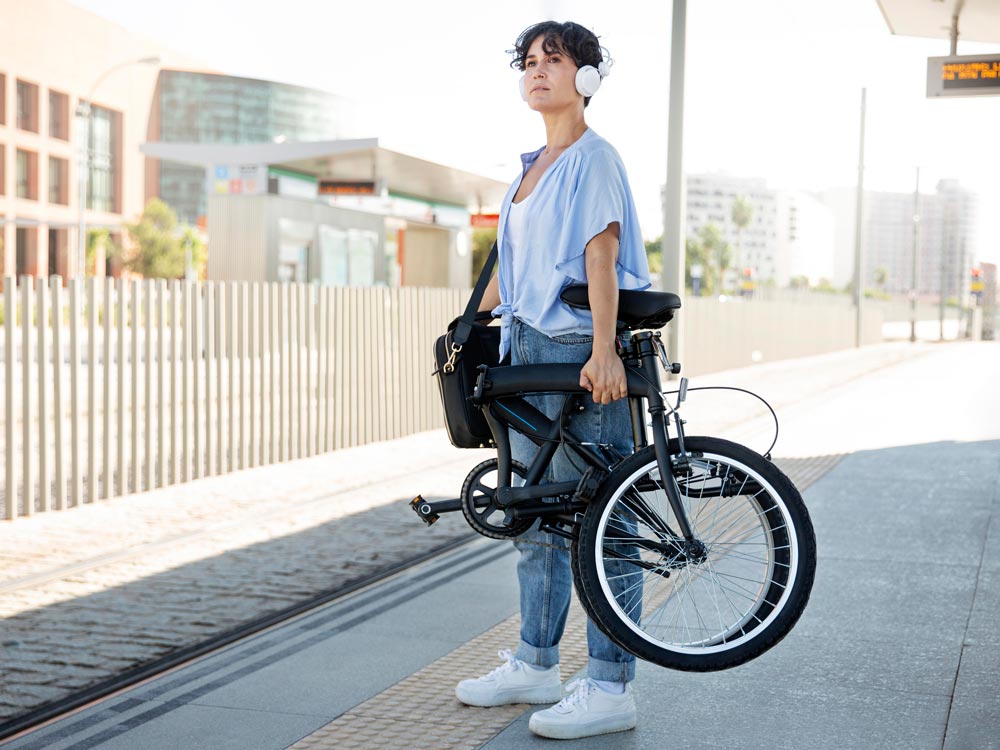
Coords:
pixel 681 554
pixel 695 552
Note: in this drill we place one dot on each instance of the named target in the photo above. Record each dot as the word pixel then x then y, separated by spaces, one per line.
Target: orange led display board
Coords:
pixel 967 75
pixel 347 187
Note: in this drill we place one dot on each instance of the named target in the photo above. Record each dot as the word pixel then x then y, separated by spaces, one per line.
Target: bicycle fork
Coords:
pixel 649 349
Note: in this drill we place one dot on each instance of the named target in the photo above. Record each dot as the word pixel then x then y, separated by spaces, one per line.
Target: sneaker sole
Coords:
pixel 533 697
pixel 576 732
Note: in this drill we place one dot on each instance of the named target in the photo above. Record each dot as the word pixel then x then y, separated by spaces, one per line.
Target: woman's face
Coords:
pixel 549 79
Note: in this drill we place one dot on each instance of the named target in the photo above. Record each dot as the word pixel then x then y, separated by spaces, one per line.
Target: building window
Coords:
pixel 27 106
pixel 3 99
pixel 58 252
pixel 58 115
pixel 103 139
pixel 58 181
pixel 26 245
pixel 27 175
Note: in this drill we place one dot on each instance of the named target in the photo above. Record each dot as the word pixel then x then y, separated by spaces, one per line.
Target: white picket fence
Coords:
pixel 119 386
pixel 113 387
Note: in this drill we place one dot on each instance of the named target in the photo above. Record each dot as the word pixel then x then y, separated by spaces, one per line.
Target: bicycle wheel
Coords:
pixel 707 608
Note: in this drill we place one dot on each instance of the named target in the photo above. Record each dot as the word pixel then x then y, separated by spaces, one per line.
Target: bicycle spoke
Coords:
pixel 740 614
pixel 680 599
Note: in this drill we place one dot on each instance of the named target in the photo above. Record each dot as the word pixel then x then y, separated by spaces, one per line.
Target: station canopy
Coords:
pixel 356 160
pixel 978 20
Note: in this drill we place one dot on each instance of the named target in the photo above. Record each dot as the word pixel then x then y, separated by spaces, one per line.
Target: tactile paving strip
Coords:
pixel 421 711
pixel 805 472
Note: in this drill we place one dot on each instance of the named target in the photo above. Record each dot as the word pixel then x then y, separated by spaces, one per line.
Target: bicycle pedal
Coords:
pixel 590 482
pixel 423 509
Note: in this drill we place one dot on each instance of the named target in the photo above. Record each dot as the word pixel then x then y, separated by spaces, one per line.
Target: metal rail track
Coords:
pixel 51 712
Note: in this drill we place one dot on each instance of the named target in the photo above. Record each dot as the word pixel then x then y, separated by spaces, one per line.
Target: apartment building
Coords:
pixel 944 238
pixel 81 97
pixel 53 58
pixel 789 234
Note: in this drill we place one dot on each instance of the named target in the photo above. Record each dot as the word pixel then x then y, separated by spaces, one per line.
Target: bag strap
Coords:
pixel 464 327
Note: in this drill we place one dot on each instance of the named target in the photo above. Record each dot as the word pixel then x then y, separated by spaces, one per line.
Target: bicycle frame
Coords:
pixel 500 392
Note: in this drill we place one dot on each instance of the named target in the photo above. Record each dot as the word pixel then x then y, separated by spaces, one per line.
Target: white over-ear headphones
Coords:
pixel 588 78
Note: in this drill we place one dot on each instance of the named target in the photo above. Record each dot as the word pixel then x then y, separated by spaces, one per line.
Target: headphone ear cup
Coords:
pixel 588 80
pixel 520 87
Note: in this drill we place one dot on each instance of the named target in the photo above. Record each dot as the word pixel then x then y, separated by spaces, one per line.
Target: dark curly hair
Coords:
pixel 567 38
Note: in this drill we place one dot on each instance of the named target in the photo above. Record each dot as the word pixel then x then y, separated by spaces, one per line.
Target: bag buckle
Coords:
pixel 449 366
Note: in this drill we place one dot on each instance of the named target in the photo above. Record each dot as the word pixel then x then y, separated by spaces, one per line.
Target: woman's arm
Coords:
pixel 491 297
pixel 604 374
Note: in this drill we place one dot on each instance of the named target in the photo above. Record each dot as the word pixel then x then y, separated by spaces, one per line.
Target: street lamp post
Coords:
pixel 672 278
pixel 83 112
pixel 913 269
pixel 859 292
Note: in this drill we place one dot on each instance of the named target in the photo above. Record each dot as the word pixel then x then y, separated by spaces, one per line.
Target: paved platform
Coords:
pixel 896 649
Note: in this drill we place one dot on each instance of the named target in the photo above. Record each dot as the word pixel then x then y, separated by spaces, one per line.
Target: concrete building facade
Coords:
pixel 789 232
pixel 944 238
pixel 197 107
pixel 55 56
pixel 346 212
pixel 805 246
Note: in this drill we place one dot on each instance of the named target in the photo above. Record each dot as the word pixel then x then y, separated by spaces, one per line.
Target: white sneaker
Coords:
pixel 586 711
pixel 511 682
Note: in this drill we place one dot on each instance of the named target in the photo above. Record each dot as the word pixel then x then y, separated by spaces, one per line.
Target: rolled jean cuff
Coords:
pixel 536 656
pixel 611 671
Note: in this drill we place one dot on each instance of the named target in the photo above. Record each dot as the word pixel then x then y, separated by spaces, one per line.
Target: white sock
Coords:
pixel 536 667
pixel 615 688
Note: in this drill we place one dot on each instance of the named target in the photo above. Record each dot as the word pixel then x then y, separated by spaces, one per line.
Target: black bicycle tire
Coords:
pixel 606 616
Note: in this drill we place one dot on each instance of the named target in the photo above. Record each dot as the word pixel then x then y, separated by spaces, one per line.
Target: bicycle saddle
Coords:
pixel 636 310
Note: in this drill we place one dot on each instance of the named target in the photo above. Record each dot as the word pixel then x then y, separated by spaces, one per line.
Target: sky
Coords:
pixel 772 87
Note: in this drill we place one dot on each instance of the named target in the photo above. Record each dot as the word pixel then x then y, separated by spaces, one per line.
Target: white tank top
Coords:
pixel 514 228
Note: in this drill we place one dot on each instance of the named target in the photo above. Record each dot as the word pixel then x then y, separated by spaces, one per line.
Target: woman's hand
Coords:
pixel 604 376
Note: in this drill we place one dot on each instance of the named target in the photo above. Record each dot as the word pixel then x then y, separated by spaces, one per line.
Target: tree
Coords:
pixel 161 249
pixel 881 276
pixel 718 253
pixel 695 255
pixel 195 252
pixel 741 215
pixel 798 282
pixel 654 254
pixel 482 242
pixel 97 240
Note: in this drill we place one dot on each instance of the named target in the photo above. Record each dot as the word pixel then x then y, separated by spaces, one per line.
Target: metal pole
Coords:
pixel 859 293
pixel 673 213
pixel 945 241
pixel 83 112
pixel 959 266
pixel 83 164
pixel 913 270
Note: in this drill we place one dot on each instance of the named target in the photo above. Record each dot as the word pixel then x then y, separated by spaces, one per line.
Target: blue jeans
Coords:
pixel 543 570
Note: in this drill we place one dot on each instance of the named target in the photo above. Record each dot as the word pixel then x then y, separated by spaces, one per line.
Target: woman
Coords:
pixel 568 218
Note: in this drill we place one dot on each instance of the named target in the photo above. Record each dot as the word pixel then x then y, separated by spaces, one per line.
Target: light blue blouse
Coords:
pixel 583 191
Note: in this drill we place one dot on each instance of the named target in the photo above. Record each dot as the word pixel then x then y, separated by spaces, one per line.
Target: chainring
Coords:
pixel 479 502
